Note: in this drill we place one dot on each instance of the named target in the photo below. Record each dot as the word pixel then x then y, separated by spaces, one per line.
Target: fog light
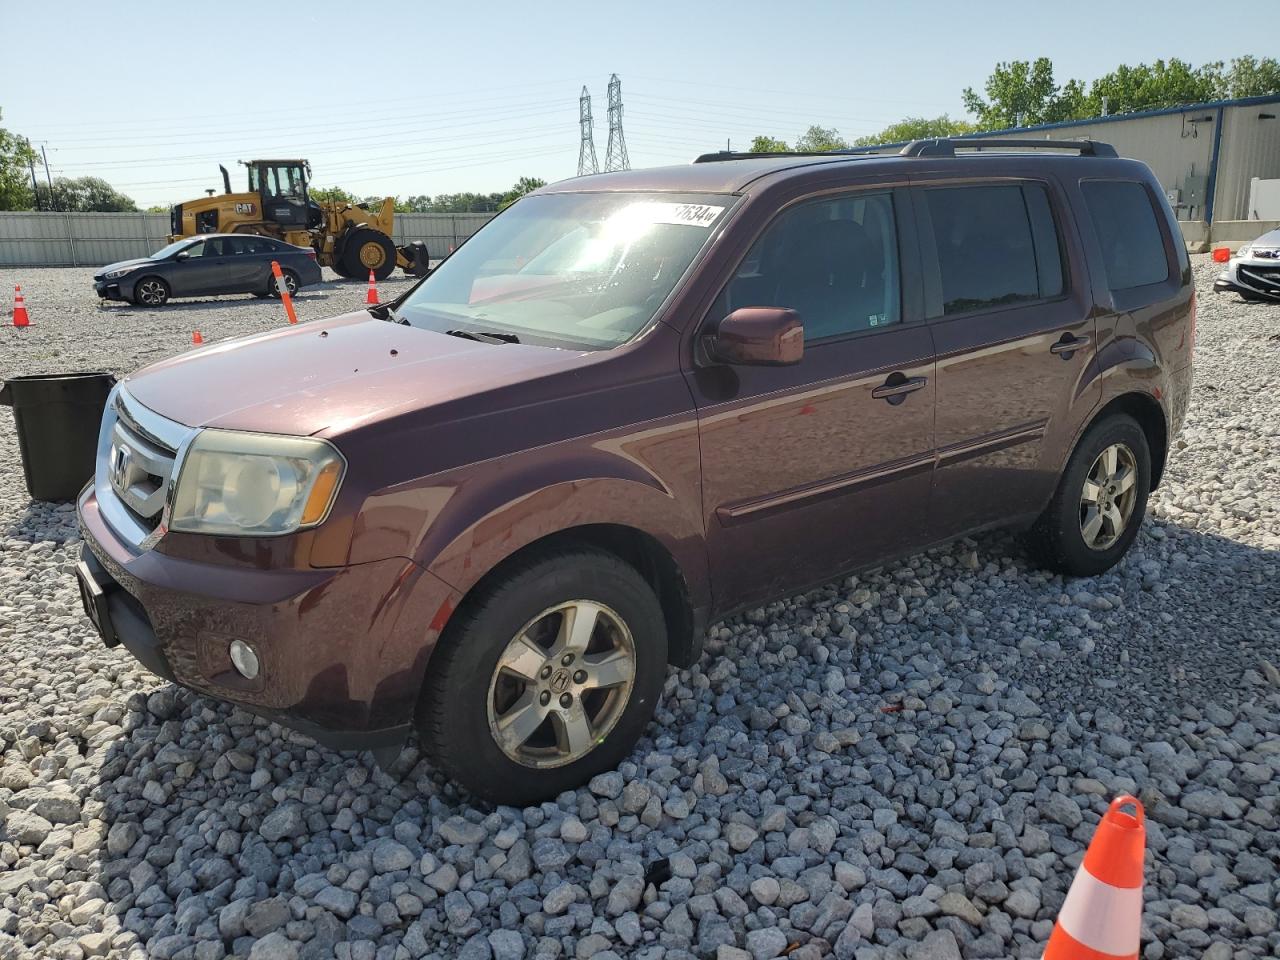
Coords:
pixel 244 659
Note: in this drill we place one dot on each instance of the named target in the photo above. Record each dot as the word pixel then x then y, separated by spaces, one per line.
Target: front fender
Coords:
pixel 460 524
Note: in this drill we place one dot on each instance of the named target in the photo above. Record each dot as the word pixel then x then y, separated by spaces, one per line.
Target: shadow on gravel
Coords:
pixel 223 829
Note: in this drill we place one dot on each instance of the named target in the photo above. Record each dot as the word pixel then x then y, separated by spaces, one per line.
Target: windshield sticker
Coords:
pixel 684 214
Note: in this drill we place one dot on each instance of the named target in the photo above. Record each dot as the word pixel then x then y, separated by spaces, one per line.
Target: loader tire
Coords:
pixel 367 249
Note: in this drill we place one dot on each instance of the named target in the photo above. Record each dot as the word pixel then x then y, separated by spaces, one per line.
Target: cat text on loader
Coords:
pixel 350 238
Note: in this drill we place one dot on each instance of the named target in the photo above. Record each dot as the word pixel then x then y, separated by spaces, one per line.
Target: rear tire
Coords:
pixel 290 282
pixel 512 655
pixel 368 249
pixel 1100 502
pixel 151 292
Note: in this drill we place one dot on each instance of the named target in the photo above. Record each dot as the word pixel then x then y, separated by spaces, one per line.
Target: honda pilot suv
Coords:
pixel 497 508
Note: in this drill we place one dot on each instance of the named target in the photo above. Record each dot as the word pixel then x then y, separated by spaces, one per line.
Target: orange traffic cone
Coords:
pixel 196 338
pixel 372 295
pixel 1101 919
pixel 20 318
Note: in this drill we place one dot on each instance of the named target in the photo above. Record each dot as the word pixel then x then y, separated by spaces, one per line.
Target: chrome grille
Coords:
pixel 138 451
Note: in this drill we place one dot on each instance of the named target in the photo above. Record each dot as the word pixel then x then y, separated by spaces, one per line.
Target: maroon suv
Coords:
pixel 497 508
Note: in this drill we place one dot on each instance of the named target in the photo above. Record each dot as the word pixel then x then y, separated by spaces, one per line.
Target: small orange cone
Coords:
pixel 196 338
pixel 372 295
pixel 20 318
pixel 1101 919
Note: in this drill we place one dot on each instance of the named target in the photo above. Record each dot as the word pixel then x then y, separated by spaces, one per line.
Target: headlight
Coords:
pixel 1244 252
pixel 117 274
pixel 254 484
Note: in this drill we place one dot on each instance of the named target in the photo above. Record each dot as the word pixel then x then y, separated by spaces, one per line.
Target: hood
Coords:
pixel 120 265
pixel 331 375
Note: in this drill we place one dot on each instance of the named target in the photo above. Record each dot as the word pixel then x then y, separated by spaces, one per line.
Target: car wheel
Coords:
pixel 151 292
pixel 545 679
pixel 1100 501
pixel 290 283
pixel 367 250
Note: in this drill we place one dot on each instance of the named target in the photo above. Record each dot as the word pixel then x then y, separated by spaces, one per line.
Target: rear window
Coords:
pixel 1128 232
pixel 997 245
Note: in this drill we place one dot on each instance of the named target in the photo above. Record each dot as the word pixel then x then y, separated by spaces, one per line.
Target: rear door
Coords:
pixel 1010 311
pixel 247 265
pixel 813 469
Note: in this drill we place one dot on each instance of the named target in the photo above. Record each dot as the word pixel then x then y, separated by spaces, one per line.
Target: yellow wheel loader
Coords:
pixel 349 237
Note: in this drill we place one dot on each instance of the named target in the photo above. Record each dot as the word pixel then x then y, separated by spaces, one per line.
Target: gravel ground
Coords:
pixel 904 764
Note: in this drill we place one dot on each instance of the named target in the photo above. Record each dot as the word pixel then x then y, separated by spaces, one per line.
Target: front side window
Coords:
pixel 835 262
pixel 1125 223
pixel 575 270
pixel 196 249
pixel 996 245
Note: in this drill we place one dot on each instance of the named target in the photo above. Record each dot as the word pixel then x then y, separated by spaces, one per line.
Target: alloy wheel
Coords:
pixel 561 684
pixel 1108 497
pixel 151 292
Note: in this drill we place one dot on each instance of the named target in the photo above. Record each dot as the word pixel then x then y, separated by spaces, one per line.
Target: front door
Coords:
pixel 198 272
pixel 816 468
pixel 1015 337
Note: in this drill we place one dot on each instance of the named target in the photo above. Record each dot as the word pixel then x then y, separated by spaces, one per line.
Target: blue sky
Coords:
pixel 411 98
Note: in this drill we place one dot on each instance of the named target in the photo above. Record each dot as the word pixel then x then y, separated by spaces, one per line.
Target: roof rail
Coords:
pixel 747 155
pixel 946 146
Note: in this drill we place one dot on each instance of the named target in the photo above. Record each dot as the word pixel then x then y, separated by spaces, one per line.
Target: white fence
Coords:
pixel 94 239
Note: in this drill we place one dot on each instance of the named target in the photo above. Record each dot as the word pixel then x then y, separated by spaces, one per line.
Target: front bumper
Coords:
pixel 1250 279
pixel 343 651
pixel 108 289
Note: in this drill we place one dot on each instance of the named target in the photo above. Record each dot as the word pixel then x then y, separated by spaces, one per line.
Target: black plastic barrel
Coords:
pixel 58 416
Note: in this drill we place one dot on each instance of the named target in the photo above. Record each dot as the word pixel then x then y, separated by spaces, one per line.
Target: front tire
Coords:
pixel 545 679
pixel 1100 501
pixel 151 292
pixel 368 249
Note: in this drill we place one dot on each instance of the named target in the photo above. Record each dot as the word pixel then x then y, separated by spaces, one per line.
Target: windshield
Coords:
pixel 171 249
pixel 579 270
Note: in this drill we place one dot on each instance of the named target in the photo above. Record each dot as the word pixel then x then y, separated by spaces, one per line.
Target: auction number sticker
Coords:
pixel 686 214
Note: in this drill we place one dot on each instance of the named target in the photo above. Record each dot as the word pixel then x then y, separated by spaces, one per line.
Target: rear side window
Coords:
pixel 835 262
pixel 1130 237
pixel 997 245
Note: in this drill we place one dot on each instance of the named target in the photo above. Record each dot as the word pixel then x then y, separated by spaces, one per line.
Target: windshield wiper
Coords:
pixel 484 336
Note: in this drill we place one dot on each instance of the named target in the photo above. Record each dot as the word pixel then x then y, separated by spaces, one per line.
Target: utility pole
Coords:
pixel 587 162
pixel 48 177
pixel 615 157
pixel 31 165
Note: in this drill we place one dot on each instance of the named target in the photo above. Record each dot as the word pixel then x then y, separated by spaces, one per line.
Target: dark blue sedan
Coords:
pixel 210 264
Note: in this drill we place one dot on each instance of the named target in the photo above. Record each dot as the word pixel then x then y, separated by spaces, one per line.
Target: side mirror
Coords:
pixel 758 336
pixel 183 256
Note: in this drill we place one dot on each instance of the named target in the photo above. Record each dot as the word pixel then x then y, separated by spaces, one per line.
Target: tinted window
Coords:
pixel 835 262
pixel 997 245
pixel 1125 223
pixel 244 245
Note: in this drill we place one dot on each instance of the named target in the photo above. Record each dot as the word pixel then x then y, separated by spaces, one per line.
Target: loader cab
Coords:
pixel 282 184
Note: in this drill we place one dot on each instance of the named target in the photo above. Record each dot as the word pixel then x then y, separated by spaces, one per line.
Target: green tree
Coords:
pixel 332 195
pixel 1022 93
pixel 917 128
pixel 15 172
pixel 523 185
pixel 817 139
pixel 1249 77
pixel 1129 89
pixel 765 144
pixel 84 195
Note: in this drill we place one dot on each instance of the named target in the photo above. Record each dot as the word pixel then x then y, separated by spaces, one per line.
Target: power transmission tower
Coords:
pixel 587 162
pixel 615 157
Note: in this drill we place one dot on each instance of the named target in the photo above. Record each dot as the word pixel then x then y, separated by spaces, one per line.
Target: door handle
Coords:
pixel 1069 345
pixel 896 388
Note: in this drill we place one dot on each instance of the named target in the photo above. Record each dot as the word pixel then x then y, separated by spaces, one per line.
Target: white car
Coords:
pixel 1254 271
